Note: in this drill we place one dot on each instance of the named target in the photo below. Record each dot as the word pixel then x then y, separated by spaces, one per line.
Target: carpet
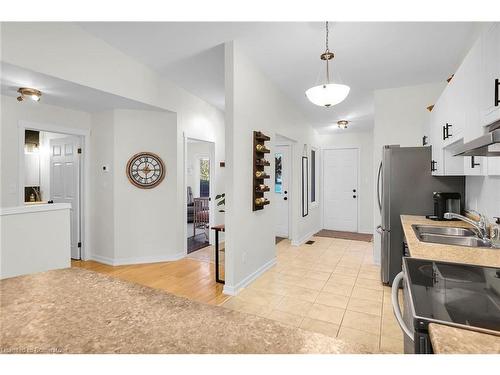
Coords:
pixel 79 311
pixel 345 235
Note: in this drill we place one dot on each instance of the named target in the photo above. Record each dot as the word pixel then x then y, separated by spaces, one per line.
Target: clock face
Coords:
pixel 145 170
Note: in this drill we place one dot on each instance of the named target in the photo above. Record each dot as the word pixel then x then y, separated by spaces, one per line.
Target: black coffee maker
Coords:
pixel 446 202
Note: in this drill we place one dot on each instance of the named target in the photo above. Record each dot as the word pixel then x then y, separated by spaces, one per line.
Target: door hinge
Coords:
pixel 79 244
pixel 79 150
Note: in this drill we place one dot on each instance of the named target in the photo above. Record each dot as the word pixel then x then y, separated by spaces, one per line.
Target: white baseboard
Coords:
pixel 234 290
pixel 304 238
pixel 136 260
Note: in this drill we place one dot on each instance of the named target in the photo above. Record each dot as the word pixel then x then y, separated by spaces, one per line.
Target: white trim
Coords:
pixel 358 206
pixel 136 260
pixel 34 208
pixel 234 290
pixel 85 233
pixel 304 238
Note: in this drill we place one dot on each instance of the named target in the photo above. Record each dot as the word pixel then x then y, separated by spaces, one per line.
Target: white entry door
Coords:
pixel 340 189
pixel 65 182
pixel 282 189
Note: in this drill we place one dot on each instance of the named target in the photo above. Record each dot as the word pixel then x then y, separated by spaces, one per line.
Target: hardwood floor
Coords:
pixel 190 278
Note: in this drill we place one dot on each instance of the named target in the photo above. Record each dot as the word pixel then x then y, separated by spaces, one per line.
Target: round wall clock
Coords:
pixel 145 170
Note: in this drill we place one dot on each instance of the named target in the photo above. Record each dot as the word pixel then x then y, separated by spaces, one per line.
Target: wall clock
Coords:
pixel 145 170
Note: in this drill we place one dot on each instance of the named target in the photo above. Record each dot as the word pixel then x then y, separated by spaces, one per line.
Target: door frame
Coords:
pixel 84 185
pixel 290 181
pixel 211 204
pixel 286 141
pixel 358 190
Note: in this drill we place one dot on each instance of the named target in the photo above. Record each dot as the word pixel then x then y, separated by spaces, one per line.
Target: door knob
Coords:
pixel 285 198
pixel 354 196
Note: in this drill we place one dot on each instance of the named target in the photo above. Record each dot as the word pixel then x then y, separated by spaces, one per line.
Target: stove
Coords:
pixel 459 295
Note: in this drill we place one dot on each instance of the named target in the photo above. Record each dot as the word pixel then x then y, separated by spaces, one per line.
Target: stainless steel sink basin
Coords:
pixel 454 240
pixel 447 231
pixel 449 236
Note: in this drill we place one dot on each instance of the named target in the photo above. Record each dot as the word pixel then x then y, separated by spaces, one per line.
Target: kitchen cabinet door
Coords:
pixel 490 75
pixel 435 140
pixel 494 166
pixel 453 105
pixel 471 68
pixel 475 166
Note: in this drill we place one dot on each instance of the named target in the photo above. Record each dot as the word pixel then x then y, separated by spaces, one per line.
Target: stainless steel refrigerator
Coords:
pixel 405 186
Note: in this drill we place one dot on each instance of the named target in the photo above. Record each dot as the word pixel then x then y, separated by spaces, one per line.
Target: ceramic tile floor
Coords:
pixel 330 287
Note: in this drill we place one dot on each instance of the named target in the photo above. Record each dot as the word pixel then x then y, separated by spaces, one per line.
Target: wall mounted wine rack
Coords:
pixel 259 174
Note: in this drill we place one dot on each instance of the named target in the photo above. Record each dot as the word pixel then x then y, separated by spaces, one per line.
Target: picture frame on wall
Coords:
pixel 305 186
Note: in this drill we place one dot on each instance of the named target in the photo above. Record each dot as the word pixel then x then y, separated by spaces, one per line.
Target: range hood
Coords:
pixel 486 145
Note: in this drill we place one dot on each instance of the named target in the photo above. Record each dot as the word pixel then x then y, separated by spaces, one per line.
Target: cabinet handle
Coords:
pixel 497 99
pixel 433 165
pixel 444 133
pixel 473 163
pixel 448 135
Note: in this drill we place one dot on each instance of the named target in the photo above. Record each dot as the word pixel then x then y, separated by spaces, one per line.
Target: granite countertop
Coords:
pixel 446 339
pixel 451 340
pixel 80 311
pixel 446 253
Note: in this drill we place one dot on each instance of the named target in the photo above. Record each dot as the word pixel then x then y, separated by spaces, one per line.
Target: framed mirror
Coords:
pixel 305 186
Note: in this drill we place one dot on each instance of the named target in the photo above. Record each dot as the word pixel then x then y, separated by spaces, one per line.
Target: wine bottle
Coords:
pixel 263 187
pixel 260 174
pixel 260 201
pixel 261 148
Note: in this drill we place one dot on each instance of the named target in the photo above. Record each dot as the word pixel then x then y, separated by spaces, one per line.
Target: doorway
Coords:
pixel 199 190
pixel 340 189
pixel 51 172
pixel 282 185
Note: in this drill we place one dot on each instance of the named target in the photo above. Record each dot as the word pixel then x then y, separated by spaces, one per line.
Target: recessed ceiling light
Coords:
pixel 342 124
pixel 30 93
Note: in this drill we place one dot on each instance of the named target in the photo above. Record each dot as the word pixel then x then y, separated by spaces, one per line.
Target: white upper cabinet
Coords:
pixel 490 75
pixel 469 103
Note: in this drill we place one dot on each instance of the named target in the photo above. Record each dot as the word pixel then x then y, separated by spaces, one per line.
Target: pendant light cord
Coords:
pixel 328 60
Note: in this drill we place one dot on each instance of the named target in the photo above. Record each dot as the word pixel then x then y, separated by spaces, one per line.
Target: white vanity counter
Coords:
pixel 34 238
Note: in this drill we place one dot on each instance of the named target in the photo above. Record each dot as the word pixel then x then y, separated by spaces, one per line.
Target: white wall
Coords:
pixel 364 142
pixel 254 103
pixel 144 231
pixel 483 195
pixel 400 118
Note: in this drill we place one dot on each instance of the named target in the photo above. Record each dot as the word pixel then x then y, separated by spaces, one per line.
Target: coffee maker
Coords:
pixel 446 202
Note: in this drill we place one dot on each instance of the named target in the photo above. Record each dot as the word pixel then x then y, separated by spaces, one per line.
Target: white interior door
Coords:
pixel 65 182
pixel 340 189
pixel 282 190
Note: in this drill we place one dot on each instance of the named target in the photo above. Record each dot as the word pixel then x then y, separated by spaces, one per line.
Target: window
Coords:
pixel 314 176
pixel 278 180
pixel 204 178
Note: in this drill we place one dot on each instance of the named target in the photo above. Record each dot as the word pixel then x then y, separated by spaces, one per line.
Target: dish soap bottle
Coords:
pixel 495 232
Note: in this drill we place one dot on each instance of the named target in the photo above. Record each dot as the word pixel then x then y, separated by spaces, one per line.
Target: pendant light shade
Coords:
pixel 328 94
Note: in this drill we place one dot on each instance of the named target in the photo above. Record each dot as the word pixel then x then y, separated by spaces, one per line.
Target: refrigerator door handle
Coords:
pixel 379 196
pixel 395 305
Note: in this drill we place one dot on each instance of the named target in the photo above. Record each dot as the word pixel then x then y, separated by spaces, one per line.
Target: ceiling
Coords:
pixel 368 56
pixel 56 91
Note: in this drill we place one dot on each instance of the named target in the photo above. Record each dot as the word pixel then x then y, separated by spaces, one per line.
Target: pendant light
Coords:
pixel 327 94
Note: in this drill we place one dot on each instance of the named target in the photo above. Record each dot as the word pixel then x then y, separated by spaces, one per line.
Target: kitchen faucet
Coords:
pixel 481 225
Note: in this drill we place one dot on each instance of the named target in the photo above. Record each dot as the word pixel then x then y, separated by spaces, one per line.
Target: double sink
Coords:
pixel 449 236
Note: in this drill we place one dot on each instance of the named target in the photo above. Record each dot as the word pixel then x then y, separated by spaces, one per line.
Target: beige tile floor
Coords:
pixel 331 287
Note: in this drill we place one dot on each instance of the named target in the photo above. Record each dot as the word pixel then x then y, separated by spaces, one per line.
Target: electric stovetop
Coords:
pixel 461 295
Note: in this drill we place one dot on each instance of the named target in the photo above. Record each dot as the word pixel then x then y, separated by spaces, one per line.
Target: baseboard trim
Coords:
pixel 136 260
pixel 305 238
pixel 234 290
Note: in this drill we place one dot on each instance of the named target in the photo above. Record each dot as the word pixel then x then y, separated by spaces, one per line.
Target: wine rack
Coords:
pixel 259 176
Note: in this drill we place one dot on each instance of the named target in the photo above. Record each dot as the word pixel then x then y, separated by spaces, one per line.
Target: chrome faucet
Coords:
pixel 481 226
